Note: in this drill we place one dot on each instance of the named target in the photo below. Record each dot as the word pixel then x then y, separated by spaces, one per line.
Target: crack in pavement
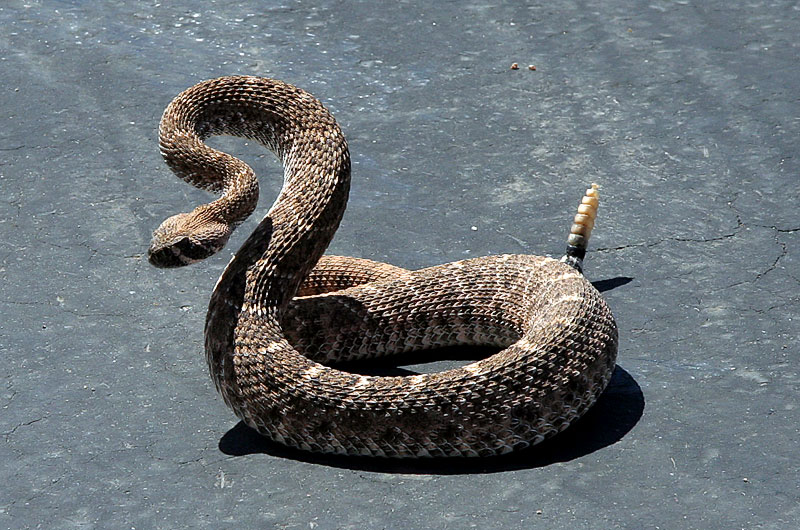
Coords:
pixel 651 244
pixel 14 429
pixel 35 495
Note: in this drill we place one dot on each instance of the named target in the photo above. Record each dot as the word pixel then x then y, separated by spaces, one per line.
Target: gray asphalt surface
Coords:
pixel 687 114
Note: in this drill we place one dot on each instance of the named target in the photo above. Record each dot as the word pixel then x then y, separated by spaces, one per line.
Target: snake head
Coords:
pixel 183 239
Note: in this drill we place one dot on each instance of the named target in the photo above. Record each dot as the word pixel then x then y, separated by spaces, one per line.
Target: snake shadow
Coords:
pixel 611 283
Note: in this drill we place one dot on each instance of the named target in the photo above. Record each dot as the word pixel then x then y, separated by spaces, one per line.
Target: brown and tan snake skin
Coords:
pixel 282 313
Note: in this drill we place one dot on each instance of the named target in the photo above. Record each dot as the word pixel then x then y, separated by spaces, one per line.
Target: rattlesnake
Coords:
pixel 282 313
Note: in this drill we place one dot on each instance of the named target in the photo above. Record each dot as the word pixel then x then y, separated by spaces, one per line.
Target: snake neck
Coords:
pixel 299 226
pixel 267 270
pixel 304 136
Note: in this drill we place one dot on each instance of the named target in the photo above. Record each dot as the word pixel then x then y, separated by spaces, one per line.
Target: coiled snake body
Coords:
pixel 282 313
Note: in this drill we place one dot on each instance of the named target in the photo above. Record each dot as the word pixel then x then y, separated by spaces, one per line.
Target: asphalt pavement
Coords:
pixel 686 114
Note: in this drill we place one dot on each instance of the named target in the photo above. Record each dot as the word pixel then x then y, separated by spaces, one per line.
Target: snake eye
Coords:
pixel 192 251
pixel 165 257
pixel 183 252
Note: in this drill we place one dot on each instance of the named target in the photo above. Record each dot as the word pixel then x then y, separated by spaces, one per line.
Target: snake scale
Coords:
pixel 282 314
